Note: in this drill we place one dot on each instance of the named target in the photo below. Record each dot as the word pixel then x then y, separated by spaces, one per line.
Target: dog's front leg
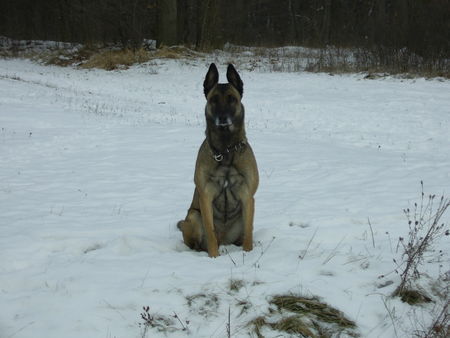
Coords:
pixel 206 199
pixel 248 211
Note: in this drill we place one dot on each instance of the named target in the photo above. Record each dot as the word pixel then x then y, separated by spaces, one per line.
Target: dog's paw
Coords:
pixel 213 250
pixel 213 253
pixel 247 245
pixel 213 247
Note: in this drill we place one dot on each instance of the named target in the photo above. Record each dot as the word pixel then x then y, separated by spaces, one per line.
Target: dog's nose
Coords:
pixel 223 121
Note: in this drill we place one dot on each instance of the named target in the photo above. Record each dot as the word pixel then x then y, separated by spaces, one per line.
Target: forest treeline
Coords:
pixel 421 26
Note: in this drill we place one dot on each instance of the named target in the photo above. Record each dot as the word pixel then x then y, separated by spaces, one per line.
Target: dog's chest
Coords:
pixel 228 182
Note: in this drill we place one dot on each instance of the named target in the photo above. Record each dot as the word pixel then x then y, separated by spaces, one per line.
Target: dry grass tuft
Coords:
pixel 155 321
pixel 124 58
pixel 174 52
pixel 292 325
pixel 65 58
pixel 312 307
pixel 235 284
pixel 204 304
pixel 413 297
pixel 304 317
pixel 117 59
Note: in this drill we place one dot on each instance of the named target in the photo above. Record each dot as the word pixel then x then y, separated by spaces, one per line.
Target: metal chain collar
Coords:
pixel 239 147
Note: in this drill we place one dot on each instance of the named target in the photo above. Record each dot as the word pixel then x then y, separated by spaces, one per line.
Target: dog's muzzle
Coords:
pixel 223 123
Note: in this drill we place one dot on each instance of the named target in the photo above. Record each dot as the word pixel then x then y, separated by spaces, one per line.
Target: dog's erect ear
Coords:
pixel 211 79
pixel 234 78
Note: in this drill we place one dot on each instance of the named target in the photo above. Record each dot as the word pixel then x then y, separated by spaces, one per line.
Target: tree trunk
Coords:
pixel 167 23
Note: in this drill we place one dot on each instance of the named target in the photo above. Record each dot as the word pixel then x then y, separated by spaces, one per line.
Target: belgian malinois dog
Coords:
pixel 226 175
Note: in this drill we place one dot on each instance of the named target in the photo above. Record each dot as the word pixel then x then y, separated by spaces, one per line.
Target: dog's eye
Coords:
pixel 214 99
pixel 231 99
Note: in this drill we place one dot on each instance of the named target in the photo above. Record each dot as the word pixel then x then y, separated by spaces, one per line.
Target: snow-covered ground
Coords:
pixel 97 167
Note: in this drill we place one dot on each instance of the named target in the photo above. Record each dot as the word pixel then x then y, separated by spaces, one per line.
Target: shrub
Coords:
pixel 425 227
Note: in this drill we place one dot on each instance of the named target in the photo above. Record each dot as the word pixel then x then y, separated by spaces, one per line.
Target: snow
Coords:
pixel 97 167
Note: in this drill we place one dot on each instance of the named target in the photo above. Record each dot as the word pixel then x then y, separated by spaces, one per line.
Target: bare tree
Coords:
pixel 167 22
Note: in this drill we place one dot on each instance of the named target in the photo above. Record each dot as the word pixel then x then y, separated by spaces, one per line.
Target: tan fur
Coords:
pixel 223 206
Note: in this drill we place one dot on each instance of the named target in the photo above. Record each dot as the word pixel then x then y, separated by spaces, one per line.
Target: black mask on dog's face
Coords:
pixel 223 108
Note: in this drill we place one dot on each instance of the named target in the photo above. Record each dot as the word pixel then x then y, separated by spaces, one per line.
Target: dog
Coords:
pixel 226 174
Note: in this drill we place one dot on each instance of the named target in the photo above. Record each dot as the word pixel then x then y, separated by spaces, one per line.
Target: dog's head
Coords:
pixel 224 109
